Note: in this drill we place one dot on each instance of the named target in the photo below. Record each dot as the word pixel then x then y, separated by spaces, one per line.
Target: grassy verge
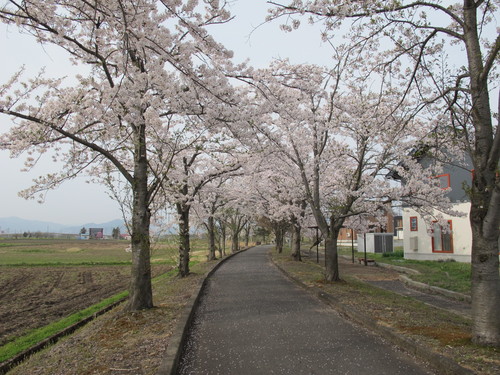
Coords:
pixel 444 332
pixel 453 276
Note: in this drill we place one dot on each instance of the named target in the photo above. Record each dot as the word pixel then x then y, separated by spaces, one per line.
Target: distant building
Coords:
pixel 96 233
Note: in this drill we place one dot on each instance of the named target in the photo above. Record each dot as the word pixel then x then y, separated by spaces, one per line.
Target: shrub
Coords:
pixel 395 254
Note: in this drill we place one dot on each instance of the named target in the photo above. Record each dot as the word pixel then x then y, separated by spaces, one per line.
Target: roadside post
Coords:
pixel 364 240
pixel 352 245
pixel 317 242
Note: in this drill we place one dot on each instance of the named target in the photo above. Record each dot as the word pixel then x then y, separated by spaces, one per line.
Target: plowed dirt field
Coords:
pixel 31 297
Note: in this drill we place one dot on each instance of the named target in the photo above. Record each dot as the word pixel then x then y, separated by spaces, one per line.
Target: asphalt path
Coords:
pixel 252 320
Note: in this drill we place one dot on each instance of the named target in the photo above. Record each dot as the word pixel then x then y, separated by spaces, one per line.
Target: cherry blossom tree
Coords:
pixel 451 52
pixel 205 160
pixel 279 198
pixel 236 221
pixel 343 143
pixel 209 204
pixel 141 72
pixel 238 209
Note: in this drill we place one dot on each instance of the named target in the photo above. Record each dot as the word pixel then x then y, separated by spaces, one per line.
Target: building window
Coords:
pixel 413 223
pixel 443 180
pixel 442 241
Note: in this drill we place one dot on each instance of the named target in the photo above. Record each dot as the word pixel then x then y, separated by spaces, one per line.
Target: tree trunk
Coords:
pixel 247 235
pixel 485 284
pixel 184 245
pixel 211 237
pixel 140 290
pixel 332 258
pixel 279 234
pixel 296 241
pixel 223 235
pixel 235 245
pixel 485 195
pixel 219 242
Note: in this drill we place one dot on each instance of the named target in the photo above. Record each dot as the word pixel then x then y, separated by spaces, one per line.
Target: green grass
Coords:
pixel 453 276
pixel 67 264
pixel 395 254
pixel 448 275
pixel 58 252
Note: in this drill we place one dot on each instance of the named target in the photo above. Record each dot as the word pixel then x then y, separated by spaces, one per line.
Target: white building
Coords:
pixel 423 243
pixel 420 243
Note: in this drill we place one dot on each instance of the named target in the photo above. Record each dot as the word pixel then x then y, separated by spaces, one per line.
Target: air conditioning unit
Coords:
pixel 414 243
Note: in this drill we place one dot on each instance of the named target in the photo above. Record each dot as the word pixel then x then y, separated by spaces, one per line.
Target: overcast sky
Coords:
pixel 77 202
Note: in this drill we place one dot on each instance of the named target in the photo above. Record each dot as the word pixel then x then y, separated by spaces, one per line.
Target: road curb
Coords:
pixel 409 271
pixel 173 351
pixel 441 364
pixel 393 267
pixel 434 289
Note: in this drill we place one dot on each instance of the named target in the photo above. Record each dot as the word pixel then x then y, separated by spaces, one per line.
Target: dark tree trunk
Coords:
pixel 279 234
pixel 223 235
pixel 140 290
pixel 331 253
pixel 184 239
pixel 247 234
pixel 296 241
pixel 485 286
pixel 235 245
pixel 211 238
pixel 485 195
pixel 219 242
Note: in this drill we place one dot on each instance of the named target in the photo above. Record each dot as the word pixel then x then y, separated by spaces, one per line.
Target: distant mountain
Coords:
pixel 19 225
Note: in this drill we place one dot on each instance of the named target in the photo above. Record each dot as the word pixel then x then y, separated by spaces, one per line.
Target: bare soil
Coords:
pixel 118 342
pixel 31 297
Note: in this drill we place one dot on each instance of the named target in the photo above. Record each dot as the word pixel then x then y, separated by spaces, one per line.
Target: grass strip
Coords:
pixel 69 264
pixel 453 276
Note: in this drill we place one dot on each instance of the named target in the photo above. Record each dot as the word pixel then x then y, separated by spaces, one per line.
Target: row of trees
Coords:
pixel 170 121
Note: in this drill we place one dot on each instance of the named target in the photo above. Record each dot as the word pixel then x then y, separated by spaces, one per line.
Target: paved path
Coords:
pixel 252 320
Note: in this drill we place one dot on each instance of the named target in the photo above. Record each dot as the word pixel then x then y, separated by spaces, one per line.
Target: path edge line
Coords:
pixel 443 365
pixel 174 349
